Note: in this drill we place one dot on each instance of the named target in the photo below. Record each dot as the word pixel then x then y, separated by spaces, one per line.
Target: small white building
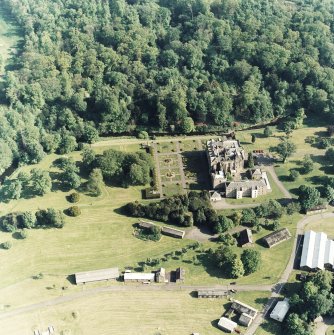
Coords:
pixel 227 325
pixel 280 310
pixel 139 277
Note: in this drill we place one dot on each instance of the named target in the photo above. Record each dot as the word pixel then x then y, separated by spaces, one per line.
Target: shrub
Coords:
pixel 6 245
pixel 294 174
pixel 74 197
pixel 143 135
pixel 23 234
pixel 73 211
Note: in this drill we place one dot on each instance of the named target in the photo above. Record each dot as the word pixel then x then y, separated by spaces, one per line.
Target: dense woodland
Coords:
pixel 95 67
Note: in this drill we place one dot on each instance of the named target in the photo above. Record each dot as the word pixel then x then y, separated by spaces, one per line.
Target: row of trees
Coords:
pixel 45 218
pixel 182 210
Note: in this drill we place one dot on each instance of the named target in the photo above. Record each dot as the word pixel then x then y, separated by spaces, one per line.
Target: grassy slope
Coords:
pixel 131 313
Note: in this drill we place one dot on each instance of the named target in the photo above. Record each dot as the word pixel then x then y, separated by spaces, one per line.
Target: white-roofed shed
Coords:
pixel 280 311
pixel 139 276
pixel 227 325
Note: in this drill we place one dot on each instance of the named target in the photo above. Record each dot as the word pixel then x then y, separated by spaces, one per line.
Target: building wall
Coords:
pixel 246 192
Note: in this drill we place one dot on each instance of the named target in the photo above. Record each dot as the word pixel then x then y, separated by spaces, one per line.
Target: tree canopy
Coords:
pixel 93 68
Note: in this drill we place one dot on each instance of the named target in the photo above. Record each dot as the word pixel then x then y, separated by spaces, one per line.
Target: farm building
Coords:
pixel 277 237
pixel 257 185
pixel 215 196
pixel 146 224
pixel 245 238
pixel 160 276
pixel 173 232
pixel 247 313
pixel 207 293
pixel 280 311
pixel 180 275
pixel 139 277
pixel 227 325
pixel 96 275
pixel 318 251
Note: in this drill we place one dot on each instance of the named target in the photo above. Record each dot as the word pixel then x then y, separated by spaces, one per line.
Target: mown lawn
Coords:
pixel 140 313
pixel 322 225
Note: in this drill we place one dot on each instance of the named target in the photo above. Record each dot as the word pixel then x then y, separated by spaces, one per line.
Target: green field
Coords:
pixel 137 312
pixel 102 237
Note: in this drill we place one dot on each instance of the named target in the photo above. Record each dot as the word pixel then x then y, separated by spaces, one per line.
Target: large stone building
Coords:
pixel 225 157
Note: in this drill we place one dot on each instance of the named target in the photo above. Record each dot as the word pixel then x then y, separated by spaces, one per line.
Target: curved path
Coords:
pixel 280 185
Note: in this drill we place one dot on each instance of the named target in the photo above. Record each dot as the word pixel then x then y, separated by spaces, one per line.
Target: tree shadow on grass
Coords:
pixel 209 264
pixel 273 328
pixel 261 301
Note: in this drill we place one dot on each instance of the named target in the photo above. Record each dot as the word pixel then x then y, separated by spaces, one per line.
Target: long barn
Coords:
pixel 96 275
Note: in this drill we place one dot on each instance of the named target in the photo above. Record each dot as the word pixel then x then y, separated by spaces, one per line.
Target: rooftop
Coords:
pixel 280 310
pixel 96 275
pixel 318 251
pixel 225 149
pixel 138 276
pixel 227 324
pixel 242 308
pixel 173 231
pixel 277 237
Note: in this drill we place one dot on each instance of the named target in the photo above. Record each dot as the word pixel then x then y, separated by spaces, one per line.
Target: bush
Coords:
pixel 23 234
pixel 294 174
pixel 293 207
pixel 73 211
pixel 143 135
pixel 6 245
pixel 74 197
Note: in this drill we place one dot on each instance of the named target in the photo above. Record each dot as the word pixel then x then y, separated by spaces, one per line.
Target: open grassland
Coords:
pixel 128 313
pixel 330 330
pixel 102 237
pixel 322 225
pixel 320 170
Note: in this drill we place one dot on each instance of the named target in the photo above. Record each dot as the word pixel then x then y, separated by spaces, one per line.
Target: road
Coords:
pixel 321 327
pixel 280 185
pixel 85 293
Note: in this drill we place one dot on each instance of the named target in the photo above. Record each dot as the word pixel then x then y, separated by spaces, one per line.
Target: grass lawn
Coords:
pixel 101 237
pixel 140 313
pixel 320 169
pixel 330 330
pixel 322 225
pixel 172 189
